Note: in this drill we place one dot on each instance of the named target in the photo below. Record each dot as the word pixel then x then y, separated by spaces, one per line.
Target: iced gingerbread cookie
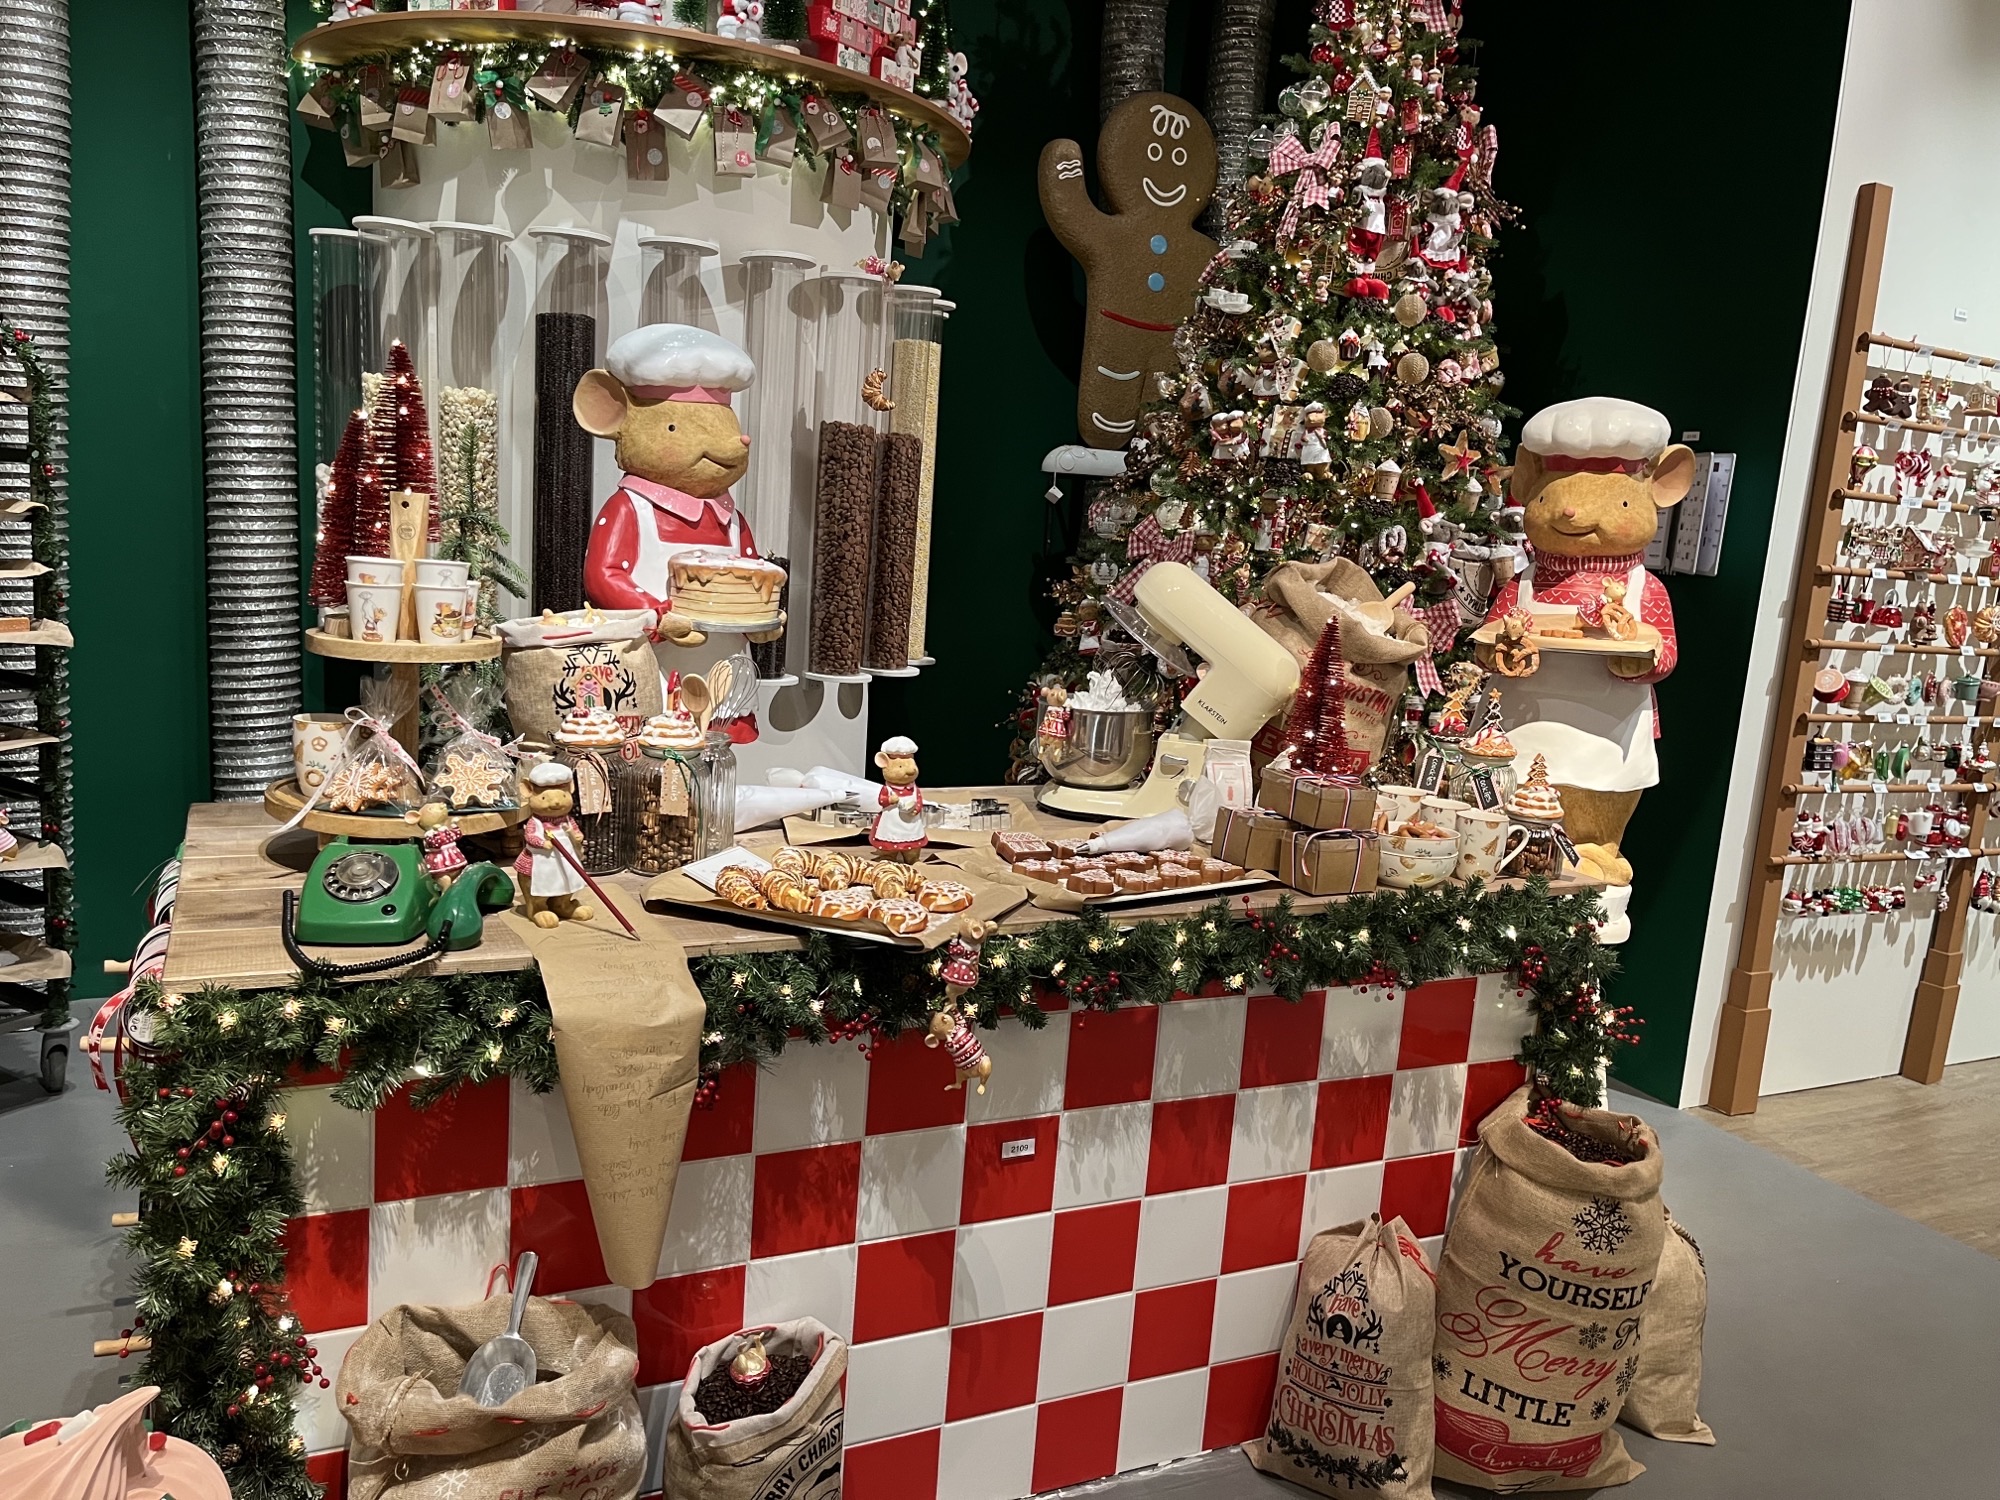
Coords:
pixel 1143 259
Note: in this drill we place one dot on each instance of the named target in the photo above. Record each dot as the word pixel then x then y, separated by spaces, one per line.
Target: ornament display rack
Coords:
pixel 366 37
pixel 36 931
pixel 1746 1014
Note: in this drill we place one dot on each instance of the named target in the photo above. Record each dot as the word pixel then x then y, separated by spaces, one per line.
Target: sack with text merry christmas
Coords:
pixel 1352 1411
pixel 792 1453
pixel 1667 1388
pixel 1546 1273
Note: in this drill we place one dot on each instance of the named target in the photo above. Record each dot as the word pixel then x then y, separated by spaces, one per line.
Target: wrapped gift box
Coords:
pixel 1328 862
pixel 1250 837
pixel 1322 802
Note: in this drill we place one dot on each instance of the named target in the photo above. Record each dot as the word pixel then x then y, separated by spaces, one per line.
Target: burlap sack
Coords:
pixel 415 1438
pixel 1667 1389
pixel 1299 598
pixel 792 1453
pixel 1353 1404
pixel 603 663
pixel 1546 1271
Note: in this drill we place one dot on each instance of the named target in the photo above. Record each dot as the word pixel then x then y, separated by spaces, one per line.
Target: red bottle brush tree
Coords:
pixel 399 442
pixel 1316 732
pixel 335 540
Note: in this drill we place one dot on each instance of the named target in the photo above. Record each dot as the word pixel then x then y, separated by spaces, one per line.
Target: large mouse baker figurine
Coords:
pixel 1591 477
pixel 663 396
pixel 1143 260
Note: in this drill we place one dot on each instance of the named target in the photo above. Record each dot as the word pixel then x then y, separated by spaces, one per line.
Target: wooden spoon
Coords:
pixel 1383 614
pixel 696 698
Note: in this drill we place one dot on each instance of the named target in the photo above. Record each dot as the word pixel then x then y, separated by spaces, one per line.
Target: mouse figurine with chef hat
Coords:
pixel 1590 479
pixel 1142 261
pixel 663 396
pixel 549 881
pixel 900 831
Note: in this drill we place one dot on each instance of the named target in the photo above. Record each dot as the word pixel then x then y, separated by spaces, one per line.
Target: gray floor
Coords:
pixel 1851 1352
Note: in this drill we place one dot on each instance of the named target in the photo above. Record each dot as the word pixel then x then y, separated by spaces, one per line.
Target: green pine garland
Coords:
pixel 213 1166
pixel 49 543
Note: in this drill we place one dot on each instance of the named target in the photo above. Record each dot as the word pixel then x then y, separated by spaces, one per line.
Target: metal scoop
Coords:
pixel 504 1366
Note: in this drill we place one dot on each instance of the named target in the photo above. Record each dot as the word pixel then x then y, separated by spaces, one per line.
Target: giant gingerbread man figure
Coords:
pixel 1142 260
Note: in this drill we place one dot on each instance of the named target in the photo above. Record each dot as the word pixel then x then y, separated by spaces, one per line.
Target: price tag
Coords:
pixel 1878 572
pixel 1881 788
pixel 1958 579
pixel 1902 718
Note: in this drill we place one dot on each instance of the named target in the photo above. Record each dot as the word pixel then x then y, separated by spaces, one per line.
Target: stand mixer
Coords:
pixel 1249 678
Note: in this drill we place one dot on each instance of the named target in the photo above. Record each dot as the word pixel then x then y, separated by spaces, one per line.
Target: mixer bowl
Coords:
pixel 1107 749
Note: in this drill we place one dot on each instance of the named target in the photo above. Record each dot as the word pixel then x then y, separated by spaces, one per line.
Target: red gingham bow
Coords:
pixel 1148 544
pixel 1310 190
pixel 1442 620
pixel 1431 14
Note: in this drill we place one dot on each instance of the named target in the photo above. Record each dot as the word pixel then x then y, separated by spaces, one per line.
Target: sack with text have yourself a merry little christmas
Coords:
pixel 1352 1409
pixel 1544 1280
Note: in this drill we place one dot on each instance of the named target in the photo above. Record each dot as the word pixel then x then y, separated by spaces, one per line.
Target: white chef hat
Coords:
pixel 1597 432
pixel 550 773
pixel 677 360
pixel 899 744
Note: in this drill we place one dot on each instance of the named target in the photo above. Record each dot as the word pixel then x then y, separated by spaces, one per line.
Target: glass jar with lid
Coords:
pixel 607 791
pixel 686 797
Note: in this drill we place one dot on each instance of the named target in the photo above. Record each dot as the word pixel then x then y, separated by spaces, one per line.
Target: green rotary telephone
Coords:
pixel 362 894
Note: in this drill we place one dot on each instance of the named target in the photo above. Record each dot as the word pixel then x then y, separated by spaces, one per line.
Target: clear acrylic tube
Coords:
pixel 398 292
pixel 919 316
pixel 336 338
pixel 472 306
pixel 670 289
pixel 570 269
pixel 777 413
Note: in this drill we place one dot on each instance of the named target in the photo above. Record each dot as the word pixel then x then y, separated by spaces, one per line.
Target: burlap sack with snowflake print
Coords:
pixel 576 1430
pixel 1668 1387
pixel 1352 1408
pixel 1546 1272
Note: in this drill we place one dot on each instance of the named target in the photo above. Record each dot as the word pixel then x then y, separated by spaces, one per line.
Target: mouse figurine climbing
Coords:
pixel 549 882
pixel 1590 479
pixel 962 1046
pixel 1143 260
pixel 442 858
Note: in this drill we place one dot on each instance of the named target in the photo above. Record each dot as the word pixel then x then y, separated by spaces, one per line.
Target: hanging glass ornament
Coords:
pixel 1313 95
pixel 1258 143
pixel 1290 102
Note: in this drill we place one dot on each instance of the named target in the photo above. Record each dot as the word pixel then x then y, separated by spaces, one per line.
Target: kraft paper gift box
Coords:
pixel 1317 801
pixel 1250 837
pixel 1328 862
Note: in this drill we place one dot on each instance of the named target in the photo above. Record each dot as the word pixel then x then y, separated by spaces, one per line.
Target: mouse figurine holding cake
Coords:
pixel 1590 479
pixel 671 538
pixel 900 831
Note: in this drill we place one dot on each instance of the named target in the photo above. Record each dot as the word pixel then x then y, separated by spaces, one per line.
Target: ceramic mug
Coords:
pixel 441 613
pixel 1396 805
pixel 317 741
pixel 439 573
pixel 1485 843
pixel 375 611
pixel 375 570
pixel 1443 811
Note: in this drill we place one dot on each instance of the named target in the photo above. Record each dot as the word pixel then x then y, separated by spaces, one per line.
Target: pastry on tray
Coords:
pixel 944 896
pixel 900 915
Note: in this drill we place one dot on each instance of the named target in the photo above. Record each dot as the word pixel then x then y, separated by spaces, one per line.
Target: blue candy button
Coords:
pixel 1157 282
pixel 1159 243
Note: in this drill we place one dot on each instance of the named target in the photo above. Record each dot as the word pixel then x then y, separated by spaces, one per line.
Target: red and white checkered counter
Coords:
pixel 1087 1270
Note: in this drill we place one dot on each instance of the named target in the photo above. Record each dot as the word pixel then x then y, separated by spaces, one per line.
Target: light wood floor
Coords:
pixel 1927 1152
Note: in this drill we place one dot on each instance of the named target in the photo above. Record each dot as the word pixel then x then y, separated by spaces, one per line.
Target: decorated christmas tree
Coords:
pixel 334 539
pixel 1339 386
pixel 399 449
pixel 1316 732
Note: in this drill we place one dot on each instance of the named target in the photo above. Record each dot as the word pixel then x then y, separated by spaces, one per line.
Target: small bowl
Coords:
pixel 1411 863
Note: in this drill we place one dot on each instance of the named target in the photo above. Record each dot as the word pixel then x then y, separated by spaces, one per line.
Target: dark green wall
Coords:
pixel 1670 201
pixel 136 600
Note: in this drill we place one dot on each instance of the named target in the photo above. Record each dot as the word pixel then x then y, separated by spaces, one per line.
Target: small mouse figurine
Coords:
pixel 443 859
pixel 549 882
pixel 961 958
pixel 900 832
pixel 968 1057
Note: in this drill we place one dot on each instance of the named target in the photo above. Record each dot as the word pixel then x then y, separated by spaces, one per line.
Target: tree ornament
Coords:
pixel 1411 309
pixel 1323 356
pixel 1381 421
pixel 1413 369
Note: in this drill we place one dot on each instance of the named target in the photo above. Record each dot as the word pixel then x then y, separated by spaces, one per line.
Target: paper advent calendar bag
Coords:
pixel 914 234
pixel 1352 1409
pixel 682 106
pixel 451 91
pixel 558 80
pixel 843 182
pixel 783 146
pixel 318 108
pixel 507 127
pixel 1317 801
pixel 1250 837
pixel 823 124
pixel 735 142
pixel 399 165
pixel 1567 1248
pixel 876 143
pixel 597 123
pixel 413 118
pixel 1328 862
pixel 361 147
pixel 878 189
pixel 376 98
pixel 645 147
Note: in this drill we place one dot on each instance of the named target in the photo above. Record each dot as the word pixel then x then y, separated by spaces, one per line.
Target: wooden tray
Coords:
pixel 401 653
pixel 283 799
pixel 338 42
pixel 1647 643
pixel 33 963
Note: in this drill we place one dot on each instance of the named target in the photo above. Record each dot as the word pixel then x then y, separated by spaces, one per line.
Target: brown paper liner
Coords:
pixel 627 1033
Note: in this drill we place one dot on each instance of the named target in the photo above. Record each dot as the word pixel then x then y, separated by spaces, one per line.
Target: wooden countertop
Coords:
pixel 235 866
